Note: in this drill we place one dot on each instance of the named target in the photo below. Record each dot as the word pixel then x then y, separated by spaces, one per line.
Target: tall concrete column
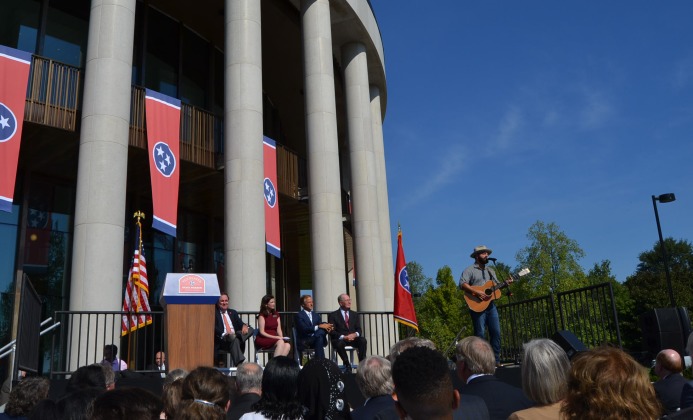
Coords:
pixel 383 202
pixel 325 199
pixel 364 196
pixel 99 232
pixel 244 211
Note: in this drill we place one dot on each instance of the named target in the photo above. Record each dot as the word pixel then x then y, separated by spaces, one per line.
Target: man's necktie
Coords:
pixel 229 328
pixel 346 318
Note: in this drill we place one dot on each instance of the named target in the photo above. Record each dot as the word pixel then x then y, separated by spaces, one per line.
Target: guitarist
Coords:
pixel 478 274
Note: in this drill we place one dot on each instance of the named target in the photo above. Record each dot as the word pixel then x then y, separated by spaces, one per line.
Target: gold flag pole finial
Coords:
pixel 138 215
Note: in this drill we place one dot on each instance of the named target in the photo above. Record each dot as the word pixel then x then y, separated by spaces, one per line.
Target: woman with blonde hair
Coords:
pixel 605 383
pixel 545 367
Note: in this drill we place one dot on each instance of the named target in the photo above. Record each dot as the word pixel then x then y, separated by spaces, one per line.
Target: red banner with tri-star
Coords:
pixel 272 229
pixel 14 76
pixel 163 137
pixel 404 304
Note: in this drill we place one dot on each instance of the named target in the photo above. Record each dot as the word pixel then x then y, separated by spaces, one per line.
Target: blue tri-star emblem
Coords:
pixel 8 123
pixel 404 279
pixel 164 159
pixel 37 219
pixel 270 193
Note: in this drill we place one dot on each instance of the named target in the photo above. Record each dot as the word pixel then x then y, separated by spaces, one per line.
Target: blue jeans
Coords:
pixel 488 318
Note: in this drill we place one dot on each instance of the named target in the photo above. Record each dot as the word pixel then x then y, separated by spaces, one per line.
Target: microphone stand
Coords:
pixel 454 341
pixel 510 276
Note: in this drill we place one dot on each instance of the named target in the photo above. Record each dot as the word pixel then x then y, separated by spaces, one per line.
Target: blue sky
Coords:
pixel 502 113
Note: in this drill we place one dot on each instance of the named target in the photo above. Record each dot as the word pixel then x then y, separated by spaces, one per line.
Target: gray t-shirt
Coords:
pixel 476 276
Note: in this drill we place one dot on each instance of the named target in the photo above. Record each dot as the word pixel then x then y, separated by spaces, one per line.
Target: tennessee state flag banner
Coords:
pixel 14 76
pixel 404 304
pixel 163 137
pixel 272 232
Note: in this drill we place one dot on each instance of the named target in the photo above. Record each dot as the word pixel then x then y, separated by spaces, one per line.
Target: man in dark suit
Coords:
pixel 310 332
pixel 230 333
pixel 158 365
pixel 374 379
pixel 248 390
pixel 346 331
pixel 668 367
pixel 476 364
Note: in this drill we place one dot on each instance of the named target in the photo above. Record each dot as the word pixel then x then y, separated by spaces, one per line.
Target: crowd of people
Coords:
pixel 414 381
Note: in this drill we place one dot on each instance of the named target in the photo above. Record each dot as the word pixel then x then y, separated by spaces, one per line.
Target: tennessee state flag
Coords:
pixel 404 304
pixel 14 76
pixel 163 137
pixel 272 232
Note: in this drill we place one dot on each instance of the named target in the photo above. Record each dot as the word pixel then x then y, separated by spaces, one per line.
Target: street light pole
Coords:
pixel 664 198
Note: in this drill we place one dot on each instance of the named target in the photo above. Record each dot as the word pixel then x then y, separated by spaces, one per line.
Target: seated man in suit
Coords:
pixel 476 365
pixel 668 367
pixel 249 390
pixel 159 365
pixel 346 331
pixel 230 333
pixel 310 332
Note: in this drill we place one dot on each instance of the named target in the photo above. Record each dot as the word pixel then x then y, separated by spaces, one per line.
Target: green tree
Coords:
pixel 648 286
pixel 553 259
pixel 418 281
pixel 441 311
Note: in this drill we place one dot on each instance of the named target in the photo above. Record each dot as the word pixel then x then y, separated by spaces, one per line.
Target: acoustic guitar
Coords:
pixel 491 289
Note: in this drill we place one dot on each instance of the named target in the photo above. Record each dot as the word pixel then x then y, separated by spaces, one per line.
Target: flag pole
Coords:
pixel 138 244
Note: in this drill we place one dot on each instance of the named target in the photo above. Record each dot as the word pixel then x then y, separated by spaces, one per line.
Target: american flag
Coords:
pixel 136 298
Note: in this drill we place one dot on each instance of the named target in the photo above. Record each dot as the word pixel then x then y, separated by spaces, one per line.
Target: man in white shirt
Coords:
pixel 230 333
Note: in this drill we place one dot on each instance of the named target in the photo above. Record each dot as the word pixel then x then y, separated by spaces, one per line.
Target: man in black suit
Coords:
pixel 249 390
pixel 346 331
pixel 310 332
pixel 668 367
pixel 476 364
pixel 230 333
pixel 159 365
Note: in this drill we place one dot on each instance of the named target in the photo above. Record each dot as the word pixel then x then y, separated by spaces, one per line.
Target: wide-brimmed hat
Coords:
pixel 481 248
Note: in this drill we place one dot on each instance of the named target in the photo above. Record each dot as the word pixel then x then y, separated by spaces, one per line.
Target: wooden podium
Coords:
pixel 189 301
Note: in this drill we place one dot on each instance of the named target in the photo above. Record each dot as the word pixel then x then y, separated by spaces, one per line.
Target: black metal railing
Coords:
pixel 83 334
pixel 588 312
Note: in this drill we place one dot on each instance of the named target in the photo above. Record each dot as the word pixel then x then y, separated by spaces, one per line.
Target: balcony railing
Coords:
pixel 82 336
pixel 53 94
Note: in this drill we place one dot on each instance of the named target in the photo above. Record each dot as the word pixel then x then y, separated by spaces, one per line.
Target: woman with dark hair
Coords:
pixel 279 400
pixel 205 395
pixel 171 396
pixel 125 403
pixel 25 396
pixel 607 383
pixel 270 334
pixel 321 391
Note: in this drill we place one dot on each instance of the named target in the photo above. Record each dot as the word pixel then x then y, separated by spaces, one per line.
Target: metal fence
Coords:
pixel 589 313
pixel 82 335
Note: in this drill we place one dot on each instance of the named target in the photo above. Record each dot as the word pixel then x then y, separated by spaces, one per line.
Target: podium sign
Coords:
pixel 189 300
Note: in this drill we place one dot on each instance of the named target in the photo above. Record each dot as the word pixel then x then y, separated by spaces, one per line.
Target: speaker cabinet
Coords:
pixel 662 328
pixel 569 342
